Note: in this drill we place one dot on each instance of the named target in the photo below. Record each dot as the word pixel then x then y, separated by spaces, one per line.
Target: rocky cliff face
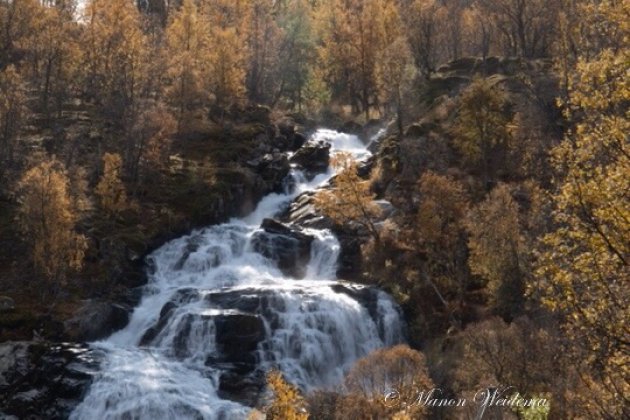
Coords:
pixel 43 380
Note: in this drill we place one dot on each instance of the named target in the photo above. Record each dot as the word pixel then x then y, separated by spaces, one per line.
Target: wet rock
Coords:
pixel 289 127
pixel 182 296
pixel 272 168
pixel 191 246
pixel 313 157
pixel 364 168
pixel 349 264
pixel 42 380
pixel 302 212
pixel 287 246
pixel 243 389
pixel 367 296
pixel 96 320
pixel 299 140
pixel 286 126
pixel 238 336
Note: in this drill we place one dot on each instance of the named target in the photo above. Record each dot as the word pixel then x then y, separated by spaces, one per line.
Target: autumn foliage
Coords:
pixel 287 404
pixel 504 162
pixel 351 199
pixel 48 219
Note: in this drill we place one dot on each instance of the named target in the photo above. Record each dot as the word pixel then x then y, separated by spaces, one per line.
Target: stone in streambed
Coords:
pixel 96 320
pixel 313 157
pixel 287 246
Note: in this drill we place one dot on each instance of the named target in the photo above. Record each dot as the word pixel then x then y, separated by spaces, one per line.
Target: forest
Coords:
pixel 486 205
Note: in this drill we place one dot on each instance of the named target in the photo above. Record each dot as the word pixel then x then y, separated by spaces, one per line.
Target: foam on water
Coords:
pixel 314 331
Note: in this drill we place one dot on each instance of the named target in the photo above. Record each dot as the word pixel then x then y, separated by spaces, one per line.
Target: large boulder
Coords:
pixel 286 245
pixel 272 168
pixel 181 297
pixel 96 320
pixel 303 212
pixel 237 337
pixel 350 259
pixel 299 140
pixel 313 157
pixel 44 381
pixel 290 127
pixel 244 389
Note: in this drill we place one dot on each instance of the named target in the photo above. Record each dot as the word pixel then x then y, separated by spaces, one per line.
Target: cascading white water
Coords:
pixel 210 293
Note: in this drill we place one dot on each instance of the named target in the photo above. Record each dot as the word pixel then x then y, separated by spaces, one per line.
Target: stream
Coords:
pixel 218 312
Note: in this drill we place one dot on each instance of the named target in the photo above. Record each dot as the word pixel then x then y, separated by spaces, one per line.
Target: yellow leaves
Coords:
pixel 287 404
pixel 355 35
pixel 442 208
pixel 110 190
pixel 496 248
pixel 115 52
pixel 47 217
pixel 584 266
pixel 481 129
pixel 351 199
pixel 228 67
pixel 205 57
pixel 150 141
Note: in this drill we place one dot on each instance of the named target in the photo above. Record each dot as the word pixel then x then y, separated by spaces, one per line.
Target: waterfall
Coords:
pixel 217 313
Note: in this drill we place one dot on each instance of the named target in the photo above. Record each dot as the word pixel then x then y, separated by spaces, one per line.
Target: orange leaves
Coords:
pixel 351 199
pixel 48 218
pixel 398 369
pixel 287 404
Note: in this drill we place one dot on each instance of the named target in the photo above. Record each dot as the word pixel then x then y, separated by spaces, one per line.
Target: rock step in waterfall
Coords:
pixel 227 303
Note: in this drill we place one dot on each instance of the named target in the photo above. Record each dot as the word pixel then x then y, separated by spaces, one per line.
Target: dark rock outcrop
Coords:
pixel 272 168
pixel 299 140
pixel 348 266
pixel 366 295
pixel 96 320
pixel 292 127
pixel 287 246
pixel 238 336
pixel 182 296
pixel 313 157
pixel 44 381
pixel 302 212
pixel 245 389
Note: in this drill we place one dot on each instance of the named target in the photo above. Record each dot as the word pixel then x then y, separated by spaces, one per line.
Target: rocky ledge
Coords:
pixel 39 380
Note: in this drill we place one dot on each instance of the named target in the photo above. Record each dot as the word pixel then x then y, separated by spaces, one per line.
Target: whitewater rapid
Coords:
pixel 169 361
